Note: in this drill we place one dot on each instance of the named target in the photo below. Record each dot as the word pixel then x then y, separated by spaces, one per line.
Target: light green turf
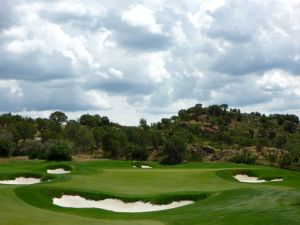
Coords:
pixel 228 201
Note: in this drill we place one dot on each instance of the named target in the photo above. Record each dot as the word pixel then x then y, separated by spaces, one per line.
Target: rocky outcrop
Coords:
pixel 263 155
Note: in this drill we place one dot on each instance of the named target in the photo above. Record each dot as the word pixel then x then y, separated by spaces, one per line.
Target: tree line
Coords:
pixel 171 140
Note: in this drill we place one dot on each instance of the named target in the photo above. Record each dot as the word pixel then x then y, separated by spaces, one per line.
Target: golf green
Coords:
pixel 218 197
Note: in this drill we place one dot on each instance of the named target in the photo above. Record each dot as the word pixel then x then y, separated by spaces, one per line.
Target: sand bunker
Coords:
pixel 115 205
pixel 21 181
pixel 58 171
pixel 142 166
pixel 277 180
pixel 247 179
pixel 146 167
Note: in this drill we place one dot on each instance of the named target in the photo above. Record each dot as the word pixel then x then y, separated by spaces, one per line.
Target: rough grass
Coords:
pixel 219 198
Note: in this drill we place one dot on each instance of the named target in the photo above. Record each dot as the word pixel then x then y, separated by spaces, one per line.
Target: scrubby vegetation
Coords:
pixel 213 133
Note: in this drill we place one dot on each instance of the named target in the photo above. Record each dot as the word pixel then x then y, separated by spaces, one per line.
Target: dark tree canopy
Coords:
pixel 5 147
pixel 59 151
pixel 90 120
pixel 143 123
pixel 114 142
pixel 173 150
pixel 58 117
pixel 181 137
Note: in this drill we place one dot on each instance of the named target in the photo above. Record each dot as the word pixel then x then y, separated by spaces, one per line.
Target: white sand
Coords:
pixel 115 205
pixel 58 171
pixel 277 180
pixel 146 167
pixel 134 167
pixel 21 180
pixel 246 179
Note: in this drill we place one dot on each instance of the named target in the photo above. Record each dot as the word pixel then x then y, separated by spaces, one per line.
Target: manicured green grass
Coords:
pixel 219 198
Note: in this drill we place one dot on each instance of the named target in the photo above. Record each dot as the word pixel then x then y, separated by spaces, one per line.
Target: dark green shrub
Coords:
pixel 114 142
pixel 32 148
pixel 136 152
pixel 59 151
pixel 280 141
pixel 36 150
pixel 295 166
pixel 272 158
pixel 244 157
pixel 5 147
pixel 289 126
pixel 286 160
pixel 173 150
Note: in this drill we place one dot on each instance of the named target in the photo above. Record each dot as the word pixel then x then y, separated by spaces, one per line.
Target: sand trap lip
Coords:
pixel 247 179
pixel 22 180
pixel 115 205
pixel 58 171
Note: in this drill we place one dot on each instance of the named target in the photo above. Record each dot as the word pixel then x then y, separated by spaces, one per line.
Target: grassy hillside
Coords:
pixel 219 198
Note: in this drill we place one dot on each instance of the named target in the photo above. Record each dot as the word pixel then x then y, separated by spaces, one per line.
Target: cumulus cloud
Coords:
pixel 141 16
pixel 7 14
pixel 129 59
pixel 257 43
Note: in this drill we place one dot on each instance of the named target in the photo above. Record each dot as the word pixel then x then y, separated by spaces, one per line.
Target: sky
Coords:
pixel 148 59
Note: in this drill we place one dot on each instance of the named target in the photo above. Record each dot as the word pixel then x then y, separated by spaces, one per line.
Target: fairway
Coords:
pixel 219 199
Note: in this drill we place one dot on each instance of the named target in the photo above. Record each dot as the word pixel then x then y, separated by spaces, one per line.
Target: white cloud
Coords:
pixel 98 99
pixel 148 58
pixel 12 87
pixel 16 32
pixel 178 33
pixel 141 16
pixel 156 66
pixel 115 72
pixel 202 18
pixel 21 47
pixel 277 80
pixel 68 7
